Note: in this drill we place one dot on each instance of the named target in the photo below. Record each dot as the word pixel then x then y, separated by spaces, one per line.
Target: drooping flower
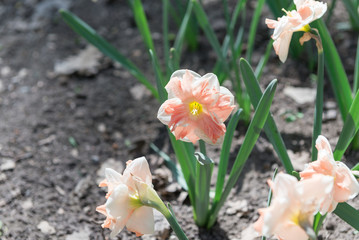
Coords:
pixel 196 107
pixel 294 21
pixel 293 206
pixel 124 205
pixel 345 185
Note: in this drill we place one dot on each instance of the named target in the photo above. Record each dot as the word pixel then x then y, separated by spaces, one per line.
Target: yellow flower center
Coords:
pixel 295 218
pixel 135 201
pixel 195 108
pixel 305 28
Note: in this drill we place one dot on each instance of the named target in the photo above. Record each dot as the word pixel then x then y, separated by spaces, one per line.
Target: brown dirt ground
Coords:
pixel 56 182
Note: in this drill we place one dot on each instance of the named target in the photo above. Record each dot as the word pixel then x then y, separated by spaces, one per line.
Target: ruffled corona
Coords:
pixel 196 107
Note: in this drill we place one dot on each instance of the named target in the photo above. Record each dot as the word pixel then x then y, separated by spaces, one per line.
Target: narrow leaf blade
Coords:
pixel 84 30
pixel 270 128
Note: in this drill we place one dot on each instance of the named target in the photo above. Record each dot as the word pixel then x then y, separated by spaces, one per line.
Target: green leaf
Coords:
pixel 159 78
pixel 350 127
pixel 208 30
pixel 142 25
pixel 270 127
pixel 348 214
pixel 356 167
pixel 181 34
pixel 253 29
pixel 335 69
pixel 254 129
pixel 353 13
pixel 330 11
pixel 166 42
pixel 176 171
pixel 276 6
pixel 356 71
pixel 204 168
pixel 318 113
pixel 225 151
pixel 263 62
pixel 186 159
pixel 84 30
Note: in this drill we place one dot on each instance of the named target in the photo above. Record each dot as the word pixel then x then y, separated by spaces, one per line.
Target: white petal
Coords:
pixel 162 115
pixel 141 221
pixel 354 185
pixel 112 176
pixel 284 45
pixel 212 79
pixel 139 168
pixel 181 72
pixel 117 228
pixel 225 91
pixel 299 3
pixel 118 204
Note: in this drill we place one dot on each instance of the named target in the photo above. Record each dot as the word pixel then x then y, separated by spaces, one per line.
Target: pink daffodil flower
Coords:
pixel 124 205
pixel 293 206
pixel 196 107
pixel 295 20
pixel 345 185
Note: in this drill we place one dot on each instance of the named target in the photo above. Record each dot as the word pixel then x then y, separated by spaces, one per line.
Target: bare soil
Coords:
pixel 59 132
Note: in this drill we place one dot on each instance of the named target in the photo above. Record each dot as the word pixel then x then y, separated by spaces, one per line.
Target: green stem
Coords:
pixel 356 72
pixel 253 29
pixel 202 147
pixel 317 128
pixel 166 47
pixel 330 12
pixel 204 168
pixel 161 207
pixel 174 224
pixel 147 196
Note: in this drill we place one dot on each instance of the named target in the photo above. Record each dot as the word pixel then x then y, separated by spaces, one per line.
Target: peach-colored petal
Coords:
pixel 116 202
pixel 271 23
pixel 123 198
pixel 293 205
pixel 109 220
pixel 291 231
pixel 141 221
pixel 316 189
pixel 196 108
pixel 345 185
pixel 180 84
pixel 168 108
pixel 323 144
pixel 209 129
pixel 225 104
pixel 112 180
pixel 206 89
pixel 139 168
pixel 281 45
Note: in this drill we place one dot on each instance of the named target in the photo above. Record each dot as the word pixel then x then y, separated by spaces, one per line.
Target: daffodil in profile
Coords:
pixel 293 206
pixel 126 195
pixel 294 21
pixel 346 187
pixel 196 107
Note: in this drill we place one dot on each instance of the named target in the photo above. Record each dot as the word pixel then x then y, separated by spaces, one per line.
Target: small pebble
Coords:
pixel 46 228
pixel 8 164
pixel 101 128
